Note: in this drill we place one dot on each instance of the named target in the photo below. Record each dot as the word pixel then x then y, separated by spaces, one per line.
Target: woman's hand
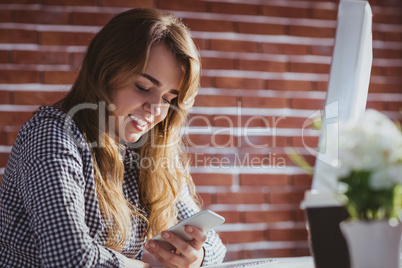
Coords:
pixel 188 254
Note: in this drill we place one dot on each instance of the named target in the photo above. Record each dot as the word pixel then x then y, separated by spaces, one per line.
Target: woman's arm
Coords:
pixel 60 200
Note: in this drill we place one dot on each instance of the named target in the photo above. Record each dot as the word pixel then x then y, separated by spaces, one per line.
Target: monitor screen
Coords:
pixel 347 87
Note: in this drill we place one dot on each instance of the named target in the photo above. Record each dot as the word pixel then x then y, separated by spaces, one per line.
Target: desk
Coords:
pixel 294 262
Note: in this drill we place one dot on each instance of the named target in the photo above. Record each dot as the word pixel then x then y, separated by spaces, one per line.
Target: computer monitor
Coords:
pixel 348 85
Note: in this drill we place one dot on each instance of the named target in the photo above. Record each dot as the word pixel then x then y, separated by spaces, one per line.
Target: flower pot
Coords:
pixel 372 244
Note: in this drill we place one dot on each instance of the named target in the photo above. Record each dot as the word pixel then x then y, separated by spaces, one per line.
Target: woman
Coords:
pixel 93 176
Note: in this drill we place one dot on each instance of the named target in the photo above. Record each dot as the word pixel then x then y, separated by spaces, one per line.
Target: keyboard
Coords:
pixel 245 263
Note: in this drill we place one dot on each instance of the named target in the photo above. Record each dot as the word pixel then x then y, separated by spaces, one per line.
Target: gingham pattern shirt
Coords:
pixel 49 212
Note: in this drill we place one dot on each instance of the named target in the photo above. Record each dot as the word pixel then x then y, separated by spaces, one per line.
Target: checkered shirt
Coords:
pixel 49 212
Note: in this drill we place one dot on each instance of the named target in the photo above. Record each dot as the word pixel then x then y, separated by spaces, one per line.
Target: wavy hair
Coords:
pixel 115 58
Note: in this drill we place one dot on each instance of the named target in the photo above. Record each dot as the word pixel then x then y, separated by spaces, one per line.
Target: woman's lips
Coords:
pixel 138 122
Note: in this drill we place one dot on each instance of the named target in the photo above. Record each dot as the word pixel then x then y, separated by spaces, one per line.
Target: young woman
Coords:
pixel 90 178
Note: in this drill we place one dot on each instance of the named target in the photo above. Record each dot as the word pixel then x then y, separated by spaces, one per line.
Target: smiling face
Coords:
pixel 146 103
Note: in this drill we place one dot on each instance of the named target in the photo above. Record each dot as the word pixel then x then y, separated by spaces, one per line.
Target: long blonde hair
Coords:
pixel 115 58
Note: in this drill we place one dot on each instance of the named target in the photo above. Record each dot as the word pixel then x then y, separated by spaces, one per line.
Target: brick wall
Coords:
pixel 265 71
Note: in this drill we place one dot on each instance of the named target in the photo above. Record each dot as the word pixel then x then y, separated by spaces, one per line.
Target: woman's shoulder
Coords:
pixel 50 127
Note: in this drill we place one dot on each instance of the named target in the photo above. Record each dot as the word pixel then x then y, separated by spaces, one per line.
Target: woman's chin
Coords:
pixel 131 138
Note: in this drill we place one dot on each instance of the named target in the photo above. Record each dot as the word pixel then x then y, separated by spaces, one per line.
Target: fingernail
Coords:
pixel 151 244
pixel 165 235
pixel 189 229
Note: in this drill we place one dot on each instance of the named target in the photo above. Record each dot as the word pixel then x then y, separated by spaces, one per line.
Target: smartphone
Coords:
pixel 204 220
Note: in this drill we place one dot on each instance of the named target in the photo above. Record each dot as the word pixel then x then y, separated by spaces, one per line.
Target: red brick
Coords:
pixel 309 104
pixel 379 53
pixel 4 56
pixel 321 86
pixel 5 97
pixel 232 121
pixel 198 6
pixel 233 45
pixel 311 31
pixel 230 216
pixel 245 236
pixel 3 159
pixel 394 106
pixel 66 38
pixel 202 44
pixel 239 83
pixel 284 11
pixel 96 19
pixel 286 197
pixel 205 198
pixel 310 141
pixel 393 71
pixel 272 141
pixel 36 97
pixel 261 65
pixel 321 50
pixel 234 8
pixel 59 77
pixel 76 59
pixel 287 122
pixel 40 17
pixel 39 57
pixel 303 180
pixel 308 67
pixel 263 180
pixel 10 133
pixel 301 215
pixel 215 101
pixel 290 85
pixel 240 198
pixel 217 63
pixel 5 16
pixel 18 36
pixel 268 216
pixel 209 25
pixel 199 120
pixel 207 81
pixel 20 1
pixel 70 2
pixel 285 49
pixel 254 141
pixel 263 102
pixel 261 28
pixel 204 140
pixel 14 118
pixel 128 3
pixel 20 76
pixel 212 179
pixel 387 18
pixel 377 105
pixel 324 14
pixel 287 234
pixel 384 88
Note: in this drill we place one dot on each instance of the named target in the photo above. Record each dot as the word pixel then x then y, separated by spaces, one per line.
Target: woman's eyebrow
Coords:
pixel 152 79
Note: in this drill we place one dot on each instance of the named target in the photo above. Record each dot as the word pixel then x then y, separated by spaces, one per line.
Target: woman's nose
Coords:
pixel 153 109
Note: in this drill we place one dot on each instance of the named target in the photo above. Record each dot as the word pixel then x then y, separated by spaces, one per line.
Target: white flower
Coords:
pixel 371 144
pixel 386 178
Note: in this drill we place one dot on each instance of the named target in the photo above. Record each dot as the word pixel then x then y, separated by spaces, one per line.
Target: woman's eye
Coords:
pixel 166 100
pixel 141 88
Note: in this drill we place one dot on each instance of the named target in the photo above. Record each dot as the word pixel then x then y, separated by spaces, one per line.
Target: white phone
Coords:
pixel 204 220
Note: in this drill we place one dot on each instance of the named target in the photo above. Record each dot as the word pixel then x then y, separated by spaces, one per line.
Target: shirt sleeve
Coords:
pixel 52 184
pixel 215 251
